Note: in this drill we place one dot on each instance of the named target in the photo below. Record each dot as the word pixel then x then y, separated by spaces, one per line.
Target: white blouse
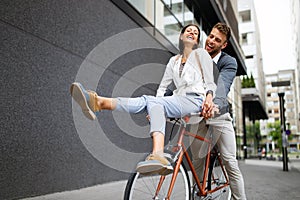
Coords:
pixel 191 80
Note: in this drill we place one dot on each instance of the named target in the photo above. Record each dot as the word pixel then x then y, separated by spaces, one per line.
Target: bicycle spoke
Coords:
pixel 144 187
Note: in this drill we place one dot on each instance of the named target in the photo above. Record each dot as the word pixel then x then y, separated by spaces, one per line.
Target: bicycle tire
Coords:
pixel 217 178
pixel 141 187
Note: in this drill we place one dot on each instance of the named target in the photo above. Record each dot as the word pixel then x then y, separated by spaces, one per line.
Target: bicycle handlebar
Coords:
pixel 194 114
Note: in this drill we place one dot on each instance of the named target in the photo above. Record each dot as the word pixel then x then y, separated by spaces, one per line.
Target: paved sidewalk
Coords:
pixel 113 190
pixel 264 180
pixel 267 180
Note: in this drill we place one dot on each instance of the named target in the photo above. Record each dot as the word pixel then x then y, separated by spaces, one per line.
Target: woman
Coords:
pixel 193 81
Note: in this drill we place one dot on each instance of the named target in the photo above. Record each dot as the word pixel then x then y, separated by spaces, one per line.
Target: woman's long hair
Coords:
pixel 181 45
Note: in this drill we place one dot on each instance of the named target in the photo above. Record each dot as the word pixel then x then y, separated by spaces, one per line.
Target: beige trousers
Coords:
pixel 224 137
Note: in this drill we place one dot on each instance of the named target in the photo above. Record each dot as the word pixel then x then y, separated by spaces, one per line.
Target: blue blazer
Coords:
pixel 224 74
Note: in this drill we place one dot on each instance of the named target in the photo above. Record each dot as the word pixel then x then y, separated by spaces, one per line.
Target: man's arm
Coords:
pixel 228 68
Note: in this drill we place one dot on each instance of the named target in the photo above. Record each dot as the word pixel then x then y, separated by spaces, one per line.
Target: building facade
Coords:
pixel 290 104
pixel 250 43
pixel 295 15
pixel 254 98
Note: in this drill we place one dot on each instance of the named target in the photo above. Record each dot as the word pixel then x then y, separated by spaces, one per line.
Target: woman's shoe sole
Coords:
pixel 150 168
pixel 79 97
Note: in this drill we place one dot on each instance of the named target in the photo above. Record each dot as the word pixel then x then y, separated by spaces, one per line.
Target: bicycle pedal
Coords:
pixel 170 157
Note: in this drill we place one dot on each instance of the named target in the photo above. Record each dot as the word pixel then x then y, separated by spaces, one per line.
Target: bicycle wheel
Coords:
pixel 141 187
pixel 217 178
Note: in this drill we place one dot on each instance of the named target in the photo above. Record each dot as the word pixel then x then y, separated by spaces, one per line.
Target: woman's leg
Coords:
pixel 91 104
pixel 157 107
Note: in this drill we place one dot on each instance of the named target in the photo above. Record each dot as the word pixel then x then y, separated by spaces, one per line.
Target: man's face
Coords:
pixel 215 42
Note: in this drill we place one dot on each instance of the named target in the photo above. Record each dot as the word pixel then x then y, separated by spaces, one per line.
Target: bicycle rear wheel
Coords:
pixel 141 187
pixel 217 178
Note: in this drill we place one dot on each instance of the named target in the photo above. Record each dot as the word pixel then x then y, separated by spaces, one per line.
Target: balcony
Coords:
pixel 253 106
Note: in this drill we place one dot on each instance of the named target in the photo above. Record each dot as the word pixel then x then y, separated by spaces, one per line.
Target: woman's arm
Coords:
pixel 167 78
pixel 206 69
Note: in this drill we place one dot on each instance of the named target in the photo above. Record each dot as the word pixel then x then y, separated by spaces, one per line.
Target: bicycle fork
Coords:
pixel 176 169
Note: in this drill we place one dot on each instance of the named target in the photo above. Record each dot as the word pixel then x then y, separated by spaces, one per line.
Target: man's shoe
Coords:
pixel 87 100
pixel 154 164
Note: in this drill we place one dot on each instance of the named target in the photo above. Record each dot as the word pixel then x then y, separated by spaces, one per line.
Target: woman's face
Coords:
pixel 190 35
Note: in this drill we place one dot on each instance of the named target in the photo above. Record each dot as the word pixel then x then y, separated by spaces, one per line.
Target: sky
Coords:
pixel 274 23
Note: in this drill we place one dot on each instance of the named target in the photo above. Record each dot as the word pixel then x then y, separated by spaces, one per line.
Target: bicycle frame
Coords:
pixel 183 153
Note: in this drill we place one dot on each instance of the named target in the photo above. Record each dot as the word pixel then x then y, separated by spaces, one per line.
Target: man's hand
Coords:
pixel 207 107
pixel 148 117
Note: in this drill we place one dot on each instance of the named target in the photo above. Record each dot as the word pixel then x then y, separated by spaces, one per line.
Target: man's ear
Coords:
pixel 224 45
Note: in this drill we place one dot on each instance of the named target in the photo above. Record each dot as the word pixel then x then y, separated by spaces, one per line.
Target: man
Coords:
pixel 221 125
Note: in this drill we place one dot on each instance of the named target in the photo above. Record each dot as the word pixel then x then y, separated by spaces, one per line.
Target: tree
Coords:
pixel 253 134
pixel 251 81
pixel 248 82
pixel 275 133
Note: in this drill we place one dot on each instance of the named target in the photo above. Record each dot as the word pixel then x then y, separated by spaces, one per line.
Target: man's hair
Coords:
pixel 223 28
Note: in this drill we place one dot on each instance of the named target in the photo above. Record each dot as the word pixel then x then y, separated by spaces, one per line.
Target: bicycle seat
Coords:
pixel 191 118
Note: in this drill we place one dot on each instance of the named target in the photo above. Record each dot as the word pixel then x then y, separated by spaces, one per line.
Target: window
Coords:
pixel 146 8
pixel 245 16
pixel 244 39
pixel 165 15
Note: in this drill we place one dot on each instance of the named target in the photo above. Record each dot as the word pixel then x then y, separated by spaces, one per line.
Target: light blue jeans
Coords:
pixel 158 108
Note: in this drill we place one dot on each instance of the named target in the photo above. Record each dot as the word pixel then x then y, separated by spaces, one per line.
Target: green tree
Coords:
pixel 253 134
pixel 248 82
pixel 275 133
pixel 251 81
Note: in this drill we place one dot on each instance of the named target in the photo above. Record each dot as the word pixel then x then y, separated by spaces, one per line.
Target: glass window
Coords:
pixel 188 17
pixel 146 8
pixel 166 23
pixel 245 16
pixel 167 16
pixel 244 39
pixel 168 3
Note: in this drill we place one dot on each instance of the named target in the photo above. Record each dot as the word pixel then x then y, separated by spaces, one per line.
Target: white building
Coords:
pixel 254 99
pixel 290 102
pixel 295 16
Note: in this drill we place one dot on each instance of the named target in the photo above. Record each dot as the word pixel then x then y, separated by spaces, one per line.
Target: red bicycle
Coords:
pixel 213 185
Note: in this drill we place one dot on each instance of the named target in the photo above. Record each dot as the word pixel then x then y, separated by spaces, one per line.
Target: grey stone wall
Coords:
pixel 43 46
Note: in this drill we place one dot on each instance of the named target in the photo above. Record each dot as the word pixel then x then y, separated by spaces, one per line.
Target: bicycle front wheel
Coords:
pixel 141 187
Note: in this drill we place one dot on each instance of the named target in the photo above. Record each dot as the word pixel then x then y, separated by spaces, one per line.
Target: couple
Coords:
pixel 192 73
